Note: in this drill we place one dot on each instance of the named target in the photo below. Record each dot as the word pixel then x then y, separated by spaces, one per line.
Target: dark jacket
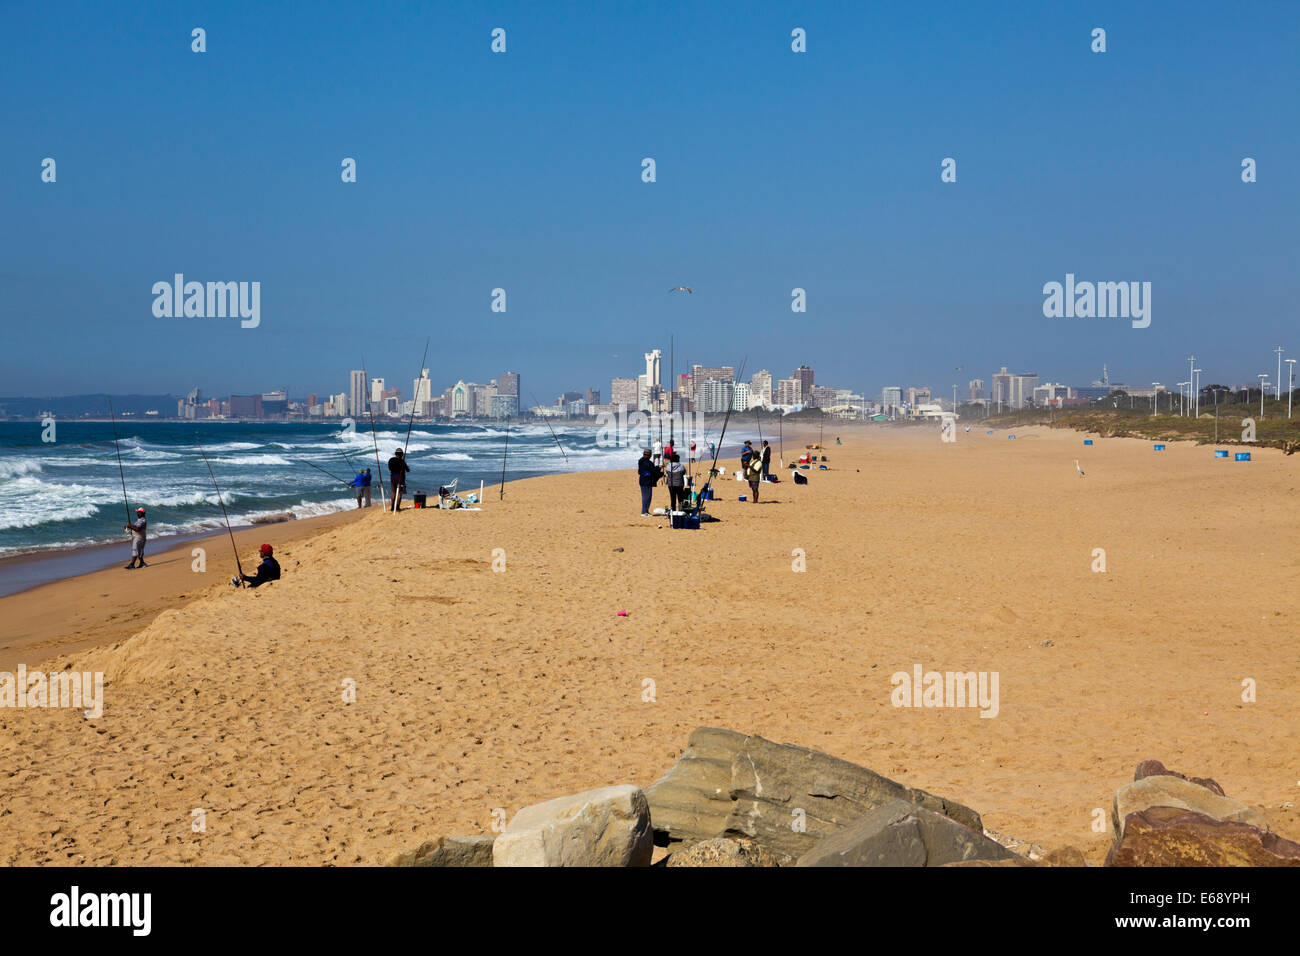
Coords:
pixel 268 570
pixel 397 469
pixel 647 473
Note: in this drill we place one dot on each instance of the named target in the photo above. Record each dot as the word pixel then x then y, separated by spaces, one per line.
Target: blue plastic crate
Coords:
pixel 1087 441
pixel 1242 456
pixel 1160 447
pixel 1220 454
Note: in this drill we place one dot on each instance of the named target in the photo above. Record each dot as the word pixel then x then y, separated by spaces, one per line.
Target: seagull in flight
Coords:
pixel 681 288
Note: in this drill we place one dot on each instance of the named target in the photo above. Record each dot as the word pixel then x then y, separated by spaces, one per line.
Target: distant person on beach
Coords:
pixel 658 452
pixel 397 471
pixel 692 455
pixel 751 467
pixel 676 482
pixel 139 533
pixel 362 484
pixel 268 570
pixel 648 475
pixel 837 438
pixel 767 458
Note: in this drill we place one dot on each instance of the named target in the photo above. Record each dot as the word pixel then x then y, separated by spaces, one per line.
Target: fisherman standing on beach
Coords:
pixel 648 475
pixel 658 452
pixel 362 484
pixel 676 482
pixel 397 469
pixel 750 467
pixel 139 532
pixel 767 458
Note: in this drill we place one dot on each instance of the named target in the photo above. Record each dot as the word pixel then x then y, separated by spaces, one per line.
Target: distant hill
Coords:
pixel 87 406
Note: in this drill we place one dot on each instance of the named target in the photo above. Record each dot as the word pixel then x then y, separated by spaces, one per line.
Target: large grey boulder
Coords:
pixel 609 826
pixel 784 797
pixel 903 834
pixel 447 851
pixel 1163 790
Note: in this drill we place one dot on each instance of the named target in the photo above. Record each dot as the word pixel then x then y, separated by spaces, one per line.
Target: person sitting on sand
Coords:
pixel 139 532
pixel 268 570
pixel 397 471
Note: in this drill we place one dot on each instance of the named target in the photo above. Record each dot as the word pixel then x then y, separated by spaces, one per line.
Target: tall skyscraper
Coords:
pixel 1001 388
pixel 376 389
pixel 421 393
pixel 976 389
pixel 508 384
pixel 1022 389
pixel 653 360
pixel 891 396
pixel 592 397
pixel 356 392
pixel 760 388
pixel 805 376
pixel 789 391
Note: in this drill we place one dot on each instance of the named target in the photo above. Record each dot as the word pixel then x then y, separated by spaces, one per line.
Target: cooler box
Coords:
pixel 679 519
pixel 1242 456
pixel 1220 454
pixel 419 500
pixel 1160 447
pixel 1087 441
pixel 692 522
pixel 742 498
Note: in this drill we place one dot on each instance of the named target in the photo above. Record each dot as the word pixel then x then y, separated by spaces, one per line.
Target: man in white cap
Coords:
pixel 138 534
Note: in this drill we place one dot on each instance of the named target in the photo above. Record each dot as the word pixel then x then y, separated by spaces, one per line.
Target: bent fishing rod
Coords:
pixel 379 469
pixel 125 503
pixel 552 430
pixel 416 398
pixel 330 473
pixel 221 501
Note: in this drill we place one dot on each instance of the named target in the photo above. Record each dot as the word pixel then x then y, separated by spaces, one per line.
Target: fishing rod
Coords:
pixel 553 435
pixel 717 449
pixel 504 452
pixel 416 398
pixel 324 472
pixel 126 505
pixel 221 502
pixel 370 408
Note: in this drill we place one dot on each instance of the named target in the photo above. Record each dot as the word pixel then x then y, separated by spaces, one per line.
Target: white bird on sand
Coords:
pixel 1076 466
pixel 681 288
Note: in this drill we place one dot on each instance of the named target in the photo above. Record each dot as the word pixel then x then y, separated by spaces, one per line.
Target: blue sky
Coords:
pixel 522 170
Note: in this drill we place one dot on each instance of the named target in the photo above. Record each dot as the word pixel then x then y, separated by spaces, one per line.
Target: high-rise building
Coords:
pixel 245 406
pixel 508 384
pixel 823 396
pixel 340 402
pixel 503 406
pixel 805 376
pixel 714 396
pixel 376 389
pixel 918 395
pixel 740 400
pixel 760 388
pixel 592 397
pixel 421 394
pixel 653 360
pixel 1001 388
pixel 789 391
pixel 1022 389
pixel 976 390
pixel 702 373
pixel 623 391
pixel 356 393
pixel 891 397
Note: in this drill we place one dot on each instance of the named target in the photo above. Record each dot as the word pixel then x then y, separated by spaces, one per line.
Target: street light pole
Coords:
pixel 1155 395
pixel 1191 376
pixel 1263 385
pixel 1290 385
pixel 1278 350
pixel 1196 389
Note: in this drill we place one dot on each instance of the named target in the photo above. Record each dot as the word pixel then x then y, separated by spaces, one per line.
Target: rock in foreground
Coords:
pixel 609 826
pixel 902 834
pixel 1171 836
pixel 783 797
pixel 447 851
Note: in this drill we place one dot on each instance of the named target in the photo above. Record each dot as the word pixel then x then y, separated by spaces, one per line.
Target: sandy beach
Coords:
pixel 479 689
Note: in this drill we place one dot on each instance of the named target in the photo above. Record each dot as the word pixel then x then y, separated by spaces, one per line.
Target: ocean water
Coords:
pixel 69 493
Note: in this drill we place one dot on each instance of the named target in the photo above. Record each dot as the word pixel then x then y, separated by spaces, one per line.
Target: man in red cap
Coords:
pixel 138 535
pixel 268 570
